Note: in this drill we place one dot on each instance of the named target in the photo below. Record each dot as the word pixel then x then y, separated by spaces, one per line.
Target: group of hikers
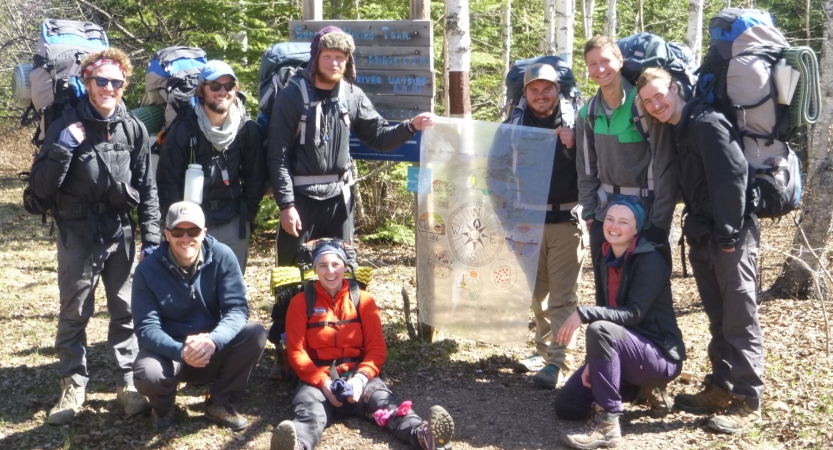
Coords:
pixel 183 315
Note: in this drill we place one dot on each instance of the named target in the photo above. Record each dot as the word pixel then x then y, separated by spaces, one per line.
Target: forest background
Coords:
pixel 239 31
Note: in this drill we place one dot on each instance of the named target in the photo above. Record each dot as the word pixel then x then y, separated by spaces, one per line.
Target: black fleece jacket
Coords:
pixel 287 158
pixel 713 172
pixel 79 178
pixel 644 301
pixel 244 159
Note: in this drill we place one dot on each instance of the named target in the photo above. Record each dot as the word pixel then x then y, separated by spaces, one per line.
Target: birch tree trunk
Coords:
pixel 565 23
pixel 507 50
pixel 610 20
pixel 548 46
pixel 817 203
pixel 587 7
pixel 694 35
pixel 459 57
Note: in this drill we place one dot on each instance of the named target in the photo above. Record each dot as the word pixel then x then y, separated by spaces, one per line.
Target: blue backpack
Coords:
pixel 736 78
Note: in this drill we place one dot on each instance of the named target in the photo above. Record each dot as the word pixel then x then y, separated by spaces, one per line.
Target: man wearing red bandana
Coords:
pixel 95 162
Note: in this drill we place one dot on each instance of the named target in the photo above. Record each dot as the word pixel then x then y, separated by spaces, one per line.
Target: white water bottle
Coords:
pixel 194 179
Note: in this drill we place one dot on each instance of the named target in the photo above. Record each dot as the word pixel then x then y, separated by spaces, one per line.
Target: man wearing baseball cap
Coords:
pixel 559 264
pixel 191 313
pixel 217 135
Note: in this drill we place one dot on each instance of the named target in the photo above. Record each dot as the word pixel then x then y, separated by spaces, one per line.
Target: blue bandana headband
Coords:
pixel 633 204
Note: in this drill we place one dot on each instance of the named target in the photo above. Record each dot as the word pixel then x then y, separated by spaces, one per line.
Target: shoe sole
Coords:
pixel 223 423
pixel 283 436
pixel 442 427
pixel 700 411
pixel 597 444
pixel 61 418
pixel 717 427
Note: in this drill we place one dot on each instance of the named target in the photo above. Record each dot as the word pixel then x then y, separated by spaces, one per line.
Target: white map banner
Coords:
pixel 482 198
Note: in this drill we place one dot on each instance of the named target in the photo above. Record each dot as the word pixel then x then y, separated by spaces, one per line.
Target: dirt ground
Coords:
pixel 492 407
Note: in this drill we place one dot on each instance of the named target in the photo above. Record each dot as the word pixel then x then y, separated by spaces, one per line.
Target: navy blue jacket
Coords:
pixel 167 308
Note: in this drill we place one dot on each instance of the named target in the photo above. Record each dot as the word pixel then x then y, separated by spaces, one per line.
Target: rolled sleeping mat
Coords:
pixel 153 116
pixel 806 104
pixel 21 87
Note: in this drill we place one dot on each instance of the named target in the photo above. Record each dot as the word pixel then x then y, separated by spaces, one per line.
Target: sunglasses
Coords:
pixel 215 86
pixel 192 232
pixel 101 82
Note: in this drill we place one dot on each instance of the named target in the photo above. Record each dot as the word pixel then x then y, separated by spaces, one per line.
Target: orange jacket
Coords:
pixel 331 342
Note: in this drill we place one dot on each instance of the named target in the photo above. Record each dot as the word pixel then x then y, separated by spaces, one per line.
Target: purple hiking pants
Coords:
pixel 621 362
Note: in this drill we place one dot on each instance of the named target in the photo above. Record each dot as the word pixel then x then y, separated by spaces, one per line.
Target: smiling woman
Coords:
pixel 634 346
pixel 336 346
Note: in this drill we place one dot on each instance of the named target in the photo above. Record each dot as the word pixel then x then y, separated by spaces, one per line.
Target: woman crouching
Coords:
pixel 634 346
pixel 337 350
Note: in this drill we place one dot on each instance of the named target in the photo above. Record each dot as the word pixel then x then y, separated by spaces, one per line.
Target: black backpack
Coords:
pixel 278 64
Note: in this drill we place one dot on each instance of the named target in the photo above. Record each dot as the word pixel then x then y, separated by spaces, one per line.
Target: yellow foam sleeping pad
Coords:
pixel 291 275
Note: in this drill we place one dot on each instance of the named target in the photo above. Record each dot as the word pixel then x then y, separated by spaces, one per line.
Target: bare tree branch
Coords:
pixel 111 19
pixel 818 291
pixel 377 170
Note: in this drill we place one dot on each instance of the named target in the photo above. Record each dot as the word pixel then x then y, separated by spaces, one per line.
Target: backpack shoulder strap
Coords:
pixel 568 111
pixel 309 293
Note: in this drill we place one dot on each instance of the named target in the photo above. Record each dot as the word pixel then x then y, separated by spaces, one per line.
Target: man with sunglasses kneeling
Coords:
pixel 191 313
pixel 218 135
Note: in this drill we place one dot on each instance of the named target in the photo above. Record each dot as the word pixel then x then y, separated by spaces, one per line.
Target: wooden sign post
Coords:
pixel 394 61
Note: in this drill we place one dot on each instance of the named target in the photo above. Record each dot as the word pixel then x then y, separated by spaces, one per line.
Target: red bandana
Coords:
pixel 98 63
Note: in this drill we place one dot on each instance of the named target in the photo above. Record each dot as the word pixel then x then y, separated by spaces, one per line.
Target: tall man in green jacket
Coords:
pixel 614 158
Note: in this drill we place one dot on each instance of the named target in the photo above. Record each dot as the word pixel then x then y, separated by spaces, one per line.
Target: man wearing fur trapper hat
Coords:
pixel 308 150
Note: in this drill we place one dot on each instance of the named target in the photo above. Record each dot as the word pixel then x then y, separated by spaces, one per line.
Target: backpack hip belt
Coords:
pixel 338 361
pixel 561 206
pixel 634 191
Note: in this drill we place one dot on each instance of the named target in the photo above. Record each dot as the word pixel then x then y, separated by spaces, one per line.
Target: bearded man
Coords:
pixel 218 135
pixel 308 150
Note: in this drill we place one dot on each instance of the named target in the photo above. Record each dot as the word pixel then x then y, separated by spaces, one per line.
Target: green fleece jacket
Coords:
pixel 615 153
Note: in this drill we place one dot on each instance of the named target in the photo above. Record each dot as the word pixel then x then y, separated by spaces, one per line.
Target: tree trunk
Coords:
pixel 610 19
pixel 694 35
pixel 336 6
pixel 507 50
pixel 639 26
pixel 565 23
pixel 817 205
pixel 587 7
pixel 459 57
pixel 548 46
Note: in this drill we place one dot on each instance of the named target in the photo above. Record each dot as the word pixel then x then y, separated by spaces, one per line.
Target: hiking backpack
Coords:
pixel 171 80
pixel 643 50
pixel 737 79
pixel 277 65
pixel 56 86
pixel 570 97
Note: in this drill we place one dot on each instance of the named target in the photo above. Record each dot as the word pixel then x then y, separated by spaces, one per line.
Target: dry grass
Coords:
pixel 493 407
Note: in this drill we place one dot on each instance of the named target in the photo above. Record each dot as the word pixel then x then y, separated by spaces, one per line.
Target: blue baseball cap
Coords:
pixel 215 69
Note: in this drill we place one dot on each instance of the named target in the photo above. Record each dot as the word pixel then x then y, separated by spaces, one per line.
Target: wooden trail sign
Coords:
pixel 394 61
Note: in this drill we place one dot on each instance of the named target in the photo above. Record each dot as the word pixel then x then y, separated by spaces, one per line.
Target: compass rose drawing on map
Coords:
pixel 476 234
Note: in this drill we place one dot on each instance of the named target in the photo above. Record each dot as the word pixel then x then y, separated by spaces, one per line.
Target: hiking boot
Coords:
pixel 72 397
pixel 284 437
pixel 739 416
pixel 436 432
pixel 547 377
pixel 225 415
pixel 164 421
pixel 602 430
pixel 712 399
pixel 532 363
pixel 657 400
pixel 133 402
